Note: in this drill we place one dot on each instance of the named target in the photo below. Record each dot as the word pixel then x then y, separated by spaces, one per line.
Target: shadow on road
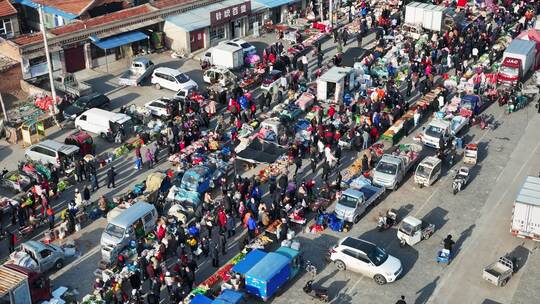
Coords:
pixel 462 237
pixel 425 293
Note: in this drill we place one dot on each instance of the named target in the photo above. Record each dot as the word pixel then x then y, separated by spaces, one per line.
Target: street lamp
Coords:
pixel 54 109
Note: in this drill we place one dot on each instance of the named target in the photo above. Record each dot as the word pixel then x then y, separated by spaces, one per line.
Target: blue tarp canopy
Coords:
pixel 252 258
pixel 119 40
pixel 270 265
pixel 274 3
pixel 288 252
pixel 200 299
pixel 229 297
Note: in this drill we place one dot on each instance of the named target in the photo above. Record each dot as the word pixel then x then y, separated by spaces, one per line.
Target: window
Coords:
pixel 148 217
pixel 6 29
pixel 83 118
pixel 217 33
pixel 45 253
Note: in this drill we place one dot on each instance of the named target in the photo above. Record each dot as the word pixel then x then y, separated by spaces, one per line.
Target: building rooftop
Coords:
pixel 6 8
pixel 92 22
pixel 75 7
pixel 168 3
pixel 27 38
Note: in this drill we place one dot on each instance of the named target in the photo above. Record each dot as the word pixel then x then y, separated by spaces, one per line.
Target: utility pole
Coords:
pixel 321 4
pixel 3 108
pixel 48 56
pixel 331 13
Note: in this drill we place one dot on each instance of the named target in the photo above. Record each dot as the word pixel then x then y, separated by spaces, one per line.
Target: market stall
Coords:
pixel 333 84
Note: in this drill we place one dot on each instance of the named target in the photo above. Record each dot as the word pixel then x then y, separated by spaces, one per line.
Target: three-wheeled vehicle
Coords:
pixel 470 155
pixel 413 230
pixel 428 171
pixel 82 140
pixel 460 180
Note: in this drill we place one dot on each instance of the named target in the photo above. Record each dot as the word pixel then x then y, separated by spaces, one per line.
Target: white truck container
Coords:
pixel 518 60
pixel 224 55
pixel 430 16
pixel 526 213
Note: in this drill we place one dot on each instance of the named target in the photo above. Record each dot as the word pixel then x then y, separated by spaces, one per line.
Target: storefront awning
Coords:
pixel 119 40
pixel 274 3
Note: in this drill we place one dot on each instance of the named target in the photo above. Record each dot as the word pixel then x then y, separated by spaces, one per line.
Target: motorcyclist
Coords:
pixel 448 243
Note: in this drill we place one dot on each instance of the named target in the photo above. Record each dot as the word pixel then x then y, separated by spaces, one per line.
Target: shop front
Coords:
pixel 205 27
pixel 107 50
pixel 280 11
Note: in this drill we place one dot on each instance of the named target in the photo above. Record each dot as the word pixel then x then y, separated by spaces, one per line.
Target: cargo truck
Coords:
pixel 226 56
pixel 354 201
pixel 139 70
pixel 526 213
pixel 519 59
pixel 392 168
pixel 20 285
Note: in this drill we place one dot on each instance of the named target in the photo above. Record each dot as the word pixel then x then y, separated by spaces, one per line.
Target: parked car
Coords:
pixel 159 107
pixel 94 100
pixel 367 259
pixel 246 46
pixel 45 256
pixel 105 123
pixel 197 180
pixel 172 79
pixel 83 140
pixel 51 152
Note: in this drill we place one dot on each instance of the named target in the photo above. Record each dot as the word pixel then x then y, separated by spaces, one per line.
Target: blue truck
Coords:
pixel 265 273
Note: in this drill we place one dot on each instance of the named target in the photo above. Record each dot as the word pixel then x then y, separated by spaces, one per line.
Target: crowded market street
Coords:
pixel 300 172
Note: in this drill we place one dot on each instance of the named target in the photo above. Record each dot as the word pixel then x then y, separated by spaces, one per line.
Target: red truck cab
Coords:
pixel 38 283
pixel 510 71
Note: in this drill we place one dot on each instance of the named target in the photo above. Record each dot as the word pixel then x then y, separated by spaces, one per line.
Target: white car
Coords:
pixel 367 259
pixel 219 75
pixel 246 46
pixel 158 107
pixel 172 79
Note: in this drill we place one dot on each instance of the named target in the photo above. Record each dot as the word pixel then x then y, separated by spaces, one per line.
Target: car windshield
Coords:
pixel 434 131
pixel 114 230
pixel 182 78
pixel 423 171
pixel 80 103
pixel 377 256
pixel 387 168
pixel 245 45
pixel 348 201
pixel 406 228
pixel 509 71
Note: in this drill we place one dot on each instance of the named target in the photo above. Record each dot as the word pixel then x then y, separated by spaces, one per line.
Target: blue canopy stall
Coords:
pixel 268 275
pixel 229 297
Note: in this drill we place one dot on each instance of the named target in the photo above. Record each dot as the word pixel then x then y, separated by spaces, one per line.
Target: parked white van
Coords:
pixel 172 79
pixel 105 123
pixel 132 224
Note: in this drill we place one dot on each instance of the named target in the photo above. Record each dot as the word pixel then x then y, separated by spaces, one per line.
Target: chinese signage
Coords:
pixel 227 14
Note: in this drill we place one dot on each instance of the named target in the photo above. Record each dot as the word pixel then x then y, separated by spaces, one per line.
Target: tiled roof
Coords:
pixel 75 7
pixel 168 3
pixel 6 8
pixel 119 15
pixel 28 38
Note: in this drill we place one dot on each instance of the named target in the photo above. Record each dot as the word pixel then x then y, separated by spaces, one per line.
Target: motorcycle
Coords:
pixel 387 220
pixel 460 180
pixel 316 293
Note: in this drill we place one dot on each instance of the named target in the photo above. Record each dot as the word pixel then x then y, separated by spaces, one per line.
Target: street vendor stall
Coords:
pixel 333 84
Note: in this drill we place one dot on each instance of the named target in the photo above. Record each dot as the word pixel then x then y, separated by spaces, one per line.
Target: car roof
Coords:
pixel 167 71
pixel 34 245
pixel 132 214
pixel 358 244
pixel 430 161
pixel 141 59
pixel 54 145
pixel 90 96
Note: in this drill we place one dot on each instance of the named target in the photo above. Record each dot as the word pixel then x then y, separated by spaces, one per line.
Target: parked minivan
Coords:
pixel 104 123
pixel 51 152
pixel 132 224
pixel 172 79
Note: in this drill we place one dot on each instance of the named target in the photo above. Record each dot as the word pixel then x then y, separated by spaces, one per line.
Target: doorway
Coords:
pixel 196 39
pixel 74 58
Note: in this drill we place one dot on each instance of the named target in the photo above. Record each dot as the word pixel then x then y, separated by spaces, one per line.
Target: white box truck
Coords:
pixel 226 56
pixel 518 60
pixel 526 213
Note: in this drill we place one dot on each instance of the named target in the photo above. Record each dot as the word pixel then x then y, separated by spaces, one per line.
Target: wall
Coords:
pixel 9 49
pixel 32 89
pixel 176 38
pixel 11 79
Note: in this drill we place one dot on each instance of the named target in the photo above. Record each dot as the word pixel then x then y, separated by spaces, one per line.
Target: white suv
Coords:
pixel 367 259
pixel 172 79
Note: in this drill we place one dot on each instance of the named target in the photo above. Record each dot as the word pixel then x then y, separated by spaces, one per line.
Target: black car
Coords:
pixel 84 103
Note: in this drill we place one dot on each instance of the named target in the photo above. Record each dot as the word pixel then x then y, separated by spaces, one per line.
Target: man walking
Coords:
pixel 320 58
pixel 111 177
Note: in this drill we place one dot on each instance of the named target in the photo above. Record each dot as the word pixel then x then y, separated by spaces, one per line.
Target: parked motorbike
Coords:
pixel 460 180
pixel 387 220
pixel 317 293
